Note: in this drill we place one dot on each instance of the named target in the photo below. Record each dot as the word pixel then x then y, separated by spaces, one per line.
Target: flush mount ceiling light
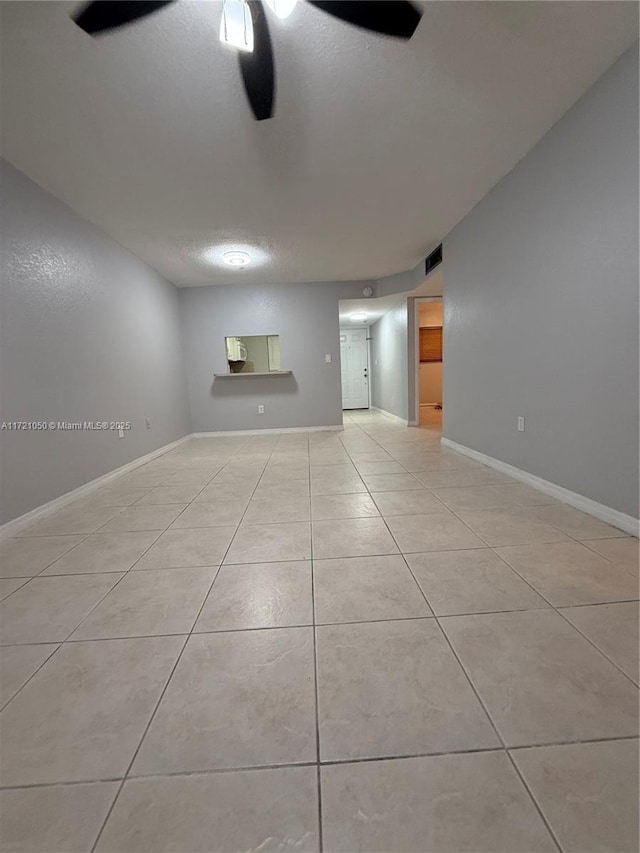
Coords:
pixel 237 259
pixel 236 254
pixel 244 26
pixel 358 318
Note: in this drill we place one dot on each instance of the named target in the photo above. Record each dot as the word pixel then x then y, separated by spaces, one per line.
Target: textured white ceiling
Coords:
pixel 376 150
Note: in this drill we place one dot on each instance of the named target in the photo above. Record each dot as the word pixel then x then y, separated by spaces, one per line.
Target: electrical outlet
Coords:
pixel 148 422
pixel 120 433
pixel 261 410
pixel 327 358
pixel 520 423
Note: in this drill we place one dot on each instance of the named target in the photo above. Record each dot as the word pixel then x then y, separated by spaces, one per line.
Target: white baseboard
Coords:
pixel 604 513
pixel 275 431
pixel 393 417
pixel 17 524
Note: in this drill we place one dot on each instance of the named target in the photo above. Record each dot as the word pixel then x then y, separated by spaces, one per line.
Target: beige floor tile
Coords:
pixel 394 688
pixel 262 595
pixel 217 514
pixel 216 492
pixel 442 803
pixel 387 466
pixel 116 495
pixel 82 715
pixel 18 664
pixel 391 482
pixel 476 581
pixel 614 630
pixel 245 478
pixel 9 585
pixel 283 473
pixel 436 531
pixel 282 490
pixel 362 589
pixel 23 558
pixel 72 519
pixel 337 484
pixel 141 478
pixel 568 573
pixel 57 819
pixel 363 457
pixel 540 680
pixel 470 477
pixel 417 501
pixel 510 527
pixel 524 495
pixel 278 510
pixel 588 792
pixel 327 458
pixel 237 699
pixel 190 478
pixel 623 552
pixel 104 552
pixel 47 609
pixel 170 495
pixel 136 518
pixel 269 543
pixel 352 537
pixel 166 601
pixel 324 507
pixel 340 471
pixel 475 497
pixel 439 461
pixel 575 523
pixel 262 810
pixel 178 549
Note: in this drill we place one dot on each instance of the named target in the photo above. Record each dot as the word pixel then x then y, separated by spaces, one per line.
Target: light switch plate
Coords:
pixel 327 358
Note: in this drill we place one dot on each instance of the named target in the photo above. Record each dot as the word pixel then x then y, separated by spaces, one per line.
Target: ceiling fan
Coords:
pixel 244 25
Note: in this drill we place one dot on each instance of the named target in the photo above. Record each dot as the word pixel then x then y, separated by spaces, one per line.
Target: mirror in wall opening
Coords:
pixel 253 354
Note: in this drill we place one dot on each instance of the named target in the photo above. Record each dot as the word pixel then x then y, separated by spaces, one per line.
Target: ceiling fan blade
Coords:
pixel 397 18
pixel 257 68
pixel 104 15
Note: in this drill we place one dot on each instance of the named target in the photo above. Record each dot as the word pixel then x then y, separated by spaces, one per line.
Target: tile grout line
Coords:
pixel 62 642
pixel 329 763
pixel 490 718
pixel 483 706
pixel 315 679
pixel 155 710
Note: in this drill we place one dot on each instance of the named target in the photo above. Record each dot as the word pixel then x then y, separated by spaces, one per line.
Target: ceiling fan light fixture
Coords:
pixel 282 8
pixel 236 25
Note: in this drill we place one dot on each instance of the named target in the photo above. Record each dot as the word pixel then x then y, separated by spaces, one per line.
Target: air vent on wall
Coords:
pixel 433 260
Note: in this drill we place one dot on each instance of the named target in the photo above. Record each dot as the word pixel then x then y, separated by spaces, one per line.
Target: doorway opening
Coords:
pixel 429 342
pixel 354 365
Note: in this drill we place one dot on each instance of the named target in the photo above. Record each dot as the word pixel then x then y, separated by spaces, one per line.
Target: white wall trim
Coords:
pixel 269 431
pixel 17 524
pixel 611 516
pixel 393 417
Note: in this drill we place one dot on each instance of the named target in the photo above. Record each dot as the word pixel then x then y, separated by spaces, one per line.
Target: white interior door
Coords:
pixel 354 363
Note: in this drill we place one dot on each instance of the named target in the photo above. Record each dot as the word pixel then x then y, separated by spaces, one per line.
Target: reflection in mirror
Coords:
pixel 253 354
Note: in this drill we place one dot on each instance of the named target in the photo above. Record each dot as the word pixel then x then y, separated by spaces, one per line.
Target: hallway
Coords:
pixel 348 641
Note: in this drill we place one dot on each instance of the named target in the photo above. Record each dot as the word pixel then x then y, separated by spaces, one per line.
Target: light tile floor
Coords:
pixel 349 641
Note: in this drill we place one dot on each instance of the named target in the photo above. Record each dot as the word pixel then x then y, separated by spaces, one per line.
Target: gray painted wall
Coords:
pixel 541 304
pixel 87 332
pixel 389 362
pixel 305 316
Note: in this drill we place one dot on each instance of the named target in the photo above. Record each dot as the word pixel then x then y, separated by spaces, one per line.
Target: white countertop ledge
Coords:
pixel 249 375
